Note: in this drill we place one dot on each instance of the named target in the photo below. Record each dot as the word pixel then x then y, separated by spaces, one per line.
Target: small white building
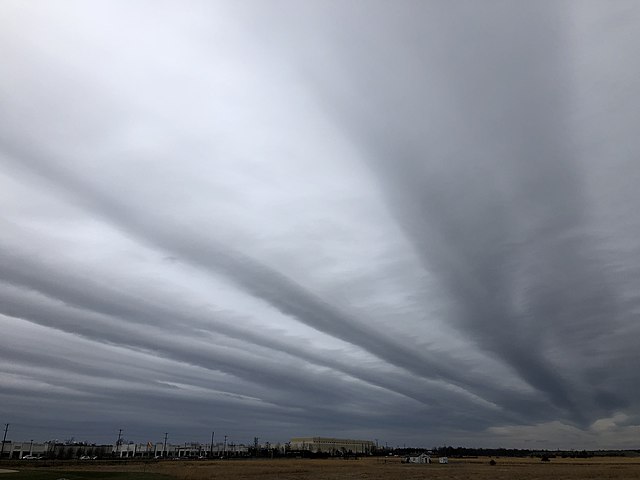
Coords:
pixel 422 458
pixel 443 460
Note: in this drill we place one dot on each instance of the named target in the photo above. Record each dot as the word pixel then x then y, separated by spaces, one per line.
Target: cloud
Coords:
pixel 413 220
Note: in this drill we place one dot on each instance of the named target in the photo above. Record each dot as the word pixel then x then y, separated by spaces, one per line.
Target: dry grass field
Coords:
pixel 380 469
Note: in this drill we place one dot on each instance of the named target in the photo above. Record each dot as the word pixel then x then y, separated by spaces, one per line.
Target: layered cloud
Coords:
pixel 411 221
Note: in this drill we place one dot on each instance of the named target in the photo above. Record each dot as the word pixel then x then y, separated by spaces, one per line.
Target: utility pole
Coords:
pixel 255 446
pixel 31 448
pixel 224 451
pixel 212 435
pixel 4 439
pixel 164 449
pixel 118 442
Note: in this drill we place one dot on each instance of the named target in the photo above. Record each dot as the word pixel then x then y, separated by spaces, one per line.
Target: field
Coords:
pixel 363 469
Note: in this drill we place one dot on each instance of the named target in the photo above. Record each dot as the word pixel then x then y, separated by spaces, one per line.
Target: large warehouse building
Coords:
pixel 332 445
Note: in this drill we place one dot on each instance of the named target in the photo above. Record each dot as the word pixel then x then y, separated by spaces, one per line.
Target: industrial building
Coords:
pixel 26 450
pixel 18 450
pixel 186 450
pixel 332 446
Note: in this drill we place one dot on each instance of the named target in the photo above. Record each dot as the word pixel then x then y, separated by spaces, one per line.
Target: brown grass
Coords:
pixel 391 469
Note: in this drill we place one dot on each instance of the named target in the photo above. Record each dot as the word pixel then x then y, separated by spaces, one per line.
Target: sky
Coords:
pixel 409 221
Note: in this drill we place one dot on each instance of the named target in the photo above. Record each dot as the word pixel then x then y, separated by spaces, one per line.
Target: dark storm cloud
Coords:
pixel 272 286
pixel 471 230
pixel 149 328
pixel 320 218
pixel 210 351
pixel 489 188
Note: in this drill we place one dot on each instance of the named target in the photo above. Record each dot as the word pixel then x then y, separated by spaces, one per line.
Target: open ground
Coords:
pixel 368 468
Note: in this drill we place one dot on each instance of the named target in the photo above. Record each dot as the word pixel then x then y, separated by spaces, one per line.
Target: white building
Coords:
pixel 422 458
pixel 186 450
pixel 23 449
pixel 332 445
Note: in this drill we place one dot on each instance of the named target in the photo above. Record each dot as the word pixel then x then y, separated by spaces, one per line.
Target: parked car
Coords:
pixel 30 457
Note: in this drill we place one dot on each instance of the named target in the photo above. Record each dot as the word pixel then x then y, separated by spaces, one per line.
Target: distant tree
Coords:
pixel 492 462
pixel 545 458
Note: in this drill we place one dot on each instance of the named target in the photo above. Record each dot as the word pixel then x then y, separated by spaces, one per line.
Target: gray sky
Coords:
pixel 411 221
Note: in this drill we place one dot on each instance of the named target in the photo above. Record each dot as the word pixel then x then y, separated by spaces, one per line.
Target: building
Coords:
pixel 78 450
pixel 422 458
pixel 53 449
pixel 333 446
pixel 195 450
pixel 186 450
pixel 144 450
pixel 17 450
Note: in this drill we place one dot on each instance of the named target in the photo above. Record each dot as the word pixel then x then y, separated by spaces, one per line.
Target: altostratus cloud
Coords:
pixel 412 220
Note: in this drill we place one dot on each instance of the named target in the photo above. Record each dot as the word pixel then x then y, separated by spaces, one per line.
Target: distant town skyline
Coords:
pixel 413 221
